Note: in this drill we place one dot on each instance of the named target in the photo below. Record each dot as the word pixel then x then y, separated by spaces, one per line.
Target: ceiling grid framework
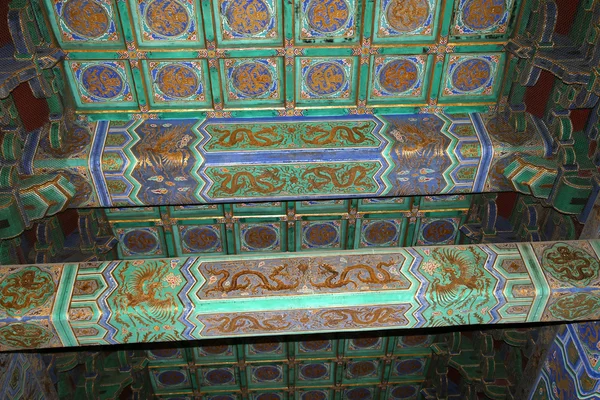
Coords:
pixel 282 58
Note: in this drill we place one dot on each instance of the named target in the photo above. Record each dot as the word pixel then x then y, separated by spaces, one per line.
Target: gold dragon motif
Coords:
pixel 364 273
pixel 340 178
pixel 264 137
pixel 234 324
pixel 336 135
pixel 263 183
pixel 243 280
pixel 362 317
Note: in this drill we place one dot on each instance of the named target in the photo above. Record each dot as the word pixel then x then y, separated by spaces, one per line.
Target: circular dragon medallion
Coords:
pixel 325 78
pixel 398 76
pixel 314 395
pixel 24 336
pixel 408 367
pixel 403 392
pixel 407 15
pixel 248 17
pixel 471 74
pixel 252 79
pixel 438 231
pixel 219 376
pixel 268 396
pixel 413 340
pixel 86 18
pixel 483 14
pixel 176 80
pixel 164 353
pixel 25 290
pixel 215 350
pixel 139 241
pixel 359 394
pixel 362 368
pixel 575 306
pixel 267 373
pixel 266 347
pixel 313 371
pixel 570 264
pixel 314 345
pixel 102 81
pixel 171 378
pixel 380 232
pixel 167 18
pixel 200 239
pixel 320 235
pixel 327 16
pixel 260 237
pixel 365 343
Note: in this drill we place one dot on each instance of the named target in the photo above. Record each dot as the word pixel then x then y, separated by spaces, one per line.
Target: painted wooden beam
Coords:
pixel 218 297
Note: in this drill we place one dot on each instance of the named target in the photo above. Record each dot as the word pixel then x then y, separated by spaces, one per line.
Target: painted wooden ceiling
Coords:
pixel 274 57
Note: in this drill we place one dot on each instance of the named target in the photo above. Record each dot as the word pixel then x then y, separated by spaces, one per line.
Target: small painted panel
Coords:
pixel 252 80
pixel 92 22
pixel 260 237
pixel 218 376
pixel 162 22
pixel 200 239
pixel 170 379
pixel 178 83
pixel 361 369
pixel 403 392
pixel 314 371
pixel 321 235
pixel 359 393
pixel 407 367
pixel 437 231
pixel 314 394
pixel 380 232
pixel 365 345
pixel 267 374
pixel 308 348
pixel 395 78
pixel 405 20
pixel 321 20
pixel 481 17
pixel 242 21
pixel 472 76
pixel 164 354
pixel 261 349
pixel 140 242
pixel 328 78
pixel 102 84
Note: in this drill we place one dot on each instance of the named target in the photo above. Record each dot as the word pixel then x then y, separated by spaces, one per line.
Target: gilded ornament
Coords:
pixel 407 15
pixel 86 18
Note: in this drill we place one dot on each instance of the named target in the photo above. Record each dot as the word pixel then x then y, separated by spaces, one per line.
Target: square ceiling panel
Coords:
pixel 262 58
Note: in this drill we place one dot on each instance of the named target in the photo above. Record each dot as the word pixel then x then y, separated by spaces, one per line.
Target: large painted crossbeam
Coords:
pixel 194 161
pixel 219 297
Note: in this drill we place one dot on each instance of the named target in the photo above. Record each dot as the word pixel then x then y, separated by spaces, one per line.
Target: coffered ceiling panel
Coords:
pixel 269 57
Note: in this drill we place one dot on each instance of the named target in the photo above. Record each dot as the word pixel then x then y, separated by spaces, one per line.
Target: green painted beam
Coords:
pixel 218 297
